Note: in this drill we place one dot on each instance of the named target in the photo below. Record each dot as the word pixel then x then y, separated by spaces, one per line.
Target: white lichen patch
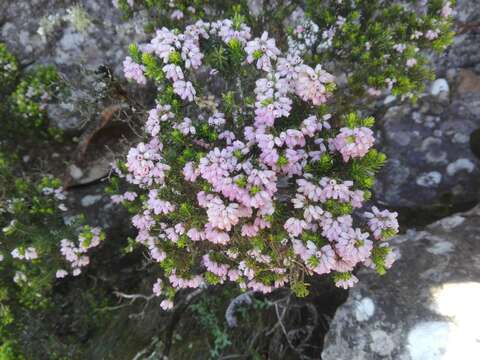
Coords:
pixel 430 179
pixel 382 343
pixel 441 247
pixel 439 86
pixel 451 222
pixel 79 18
pixel 48 25
pixel 364 309
pixel 460 165
pixel 428 340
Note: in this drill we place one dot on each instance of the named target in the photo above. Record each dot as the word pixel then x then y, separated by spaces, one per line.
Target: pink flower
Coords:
pixel 184 89
pixel 186 127
pixel 130 196
pixel 250 230
pixel 134 71
pixel 195 235
pixel 399 48
pixel 431 34
pixel 166 304
pixel 157 115
pixel 157 287
pixel 224 29
pixel 176 15
pixel 411 62
pixel 214 236
pixel 183 283
pixel 253 168
pixel 173 72
pixel 311 125
pixel 223 217
pixel 221 270
pixel 190 173
pixel 294 226
pixel 61 273
pixel 347 283
pixel 447 10
pixel 30 253
pixel 217 119
pixel 263 50
pixel 353 143
pixel 234 274
pixel 259 286
pixel 326 260
pixel 310 84
pixel 288 67
pixel 76 272
pixel 374 92
pixel 380 221
pixel 157 254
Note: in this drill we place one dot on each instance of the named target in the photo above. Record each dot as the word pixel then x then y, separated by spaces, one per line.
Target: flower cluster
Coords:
pixel 250 191
pixel 34 93
pixel 8 66
pixel 353 143
pixel 27 201
pixel 76 254
pixel 29 253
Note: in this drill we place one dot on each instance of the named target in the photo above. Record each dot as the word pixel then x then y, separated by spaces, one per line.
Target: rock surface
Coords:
pixel 425 308
pixel 77 37
pixel 428 145
pixel 465 51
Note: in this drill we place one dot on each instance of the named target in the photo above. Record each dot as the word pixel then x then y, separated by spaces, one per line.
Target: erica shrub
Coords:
pixel 247 173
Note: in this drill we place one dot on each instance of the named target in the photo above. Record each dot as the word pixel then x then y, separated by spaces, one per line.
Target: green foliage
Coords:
pixel 28 218
pixel 8 67
pixel 31 208
pixel 202 309
pixel 364 44
pixel 379 254
pixel 8 352
pixel 300 288
pixel 345 276
pixel 34 92
pixel 338 208
pixel 363 170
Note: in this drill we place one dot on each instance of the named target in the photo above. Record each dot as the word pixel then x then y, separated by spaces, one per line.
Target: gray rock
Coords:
pixel 255 7
pixel 78 40
pixel 92 171
pixel 430 159
pixel 465 52
pixel 424 308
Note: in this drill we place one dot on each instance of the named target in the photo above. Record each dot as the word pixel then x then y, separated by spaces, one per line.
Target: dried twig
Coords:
pixel 284 330
pixel 230 315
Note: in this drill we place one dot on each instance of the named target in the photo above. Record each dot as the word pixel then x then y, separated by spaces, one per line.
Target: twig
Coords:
pixel 230 315
pixel 134 297
pixel 284 311
pixel 280 322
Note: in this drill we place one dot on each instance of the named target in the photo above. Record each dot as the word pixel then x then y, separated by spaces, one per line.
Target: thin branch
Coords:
pixel 230 315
